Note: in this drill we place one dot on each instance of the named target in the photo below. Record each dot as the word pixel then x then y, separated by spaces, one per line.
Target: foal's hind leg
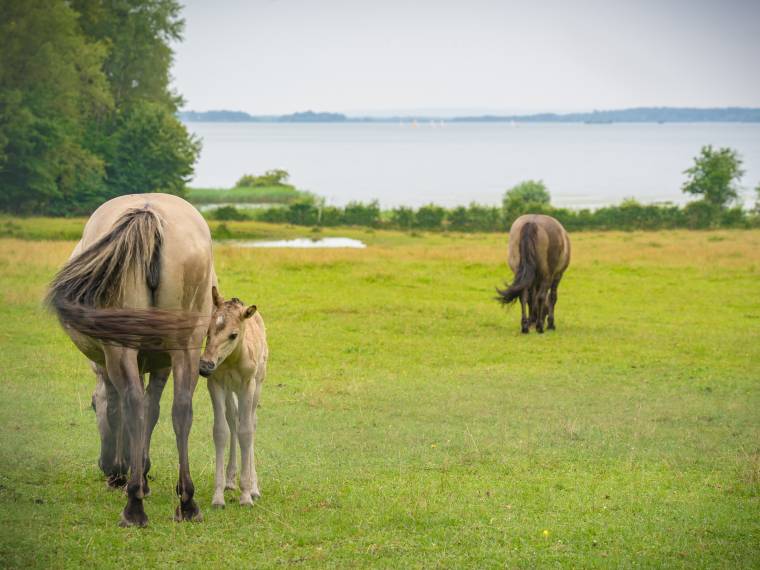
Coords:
pixel 152 409
pixel 524 322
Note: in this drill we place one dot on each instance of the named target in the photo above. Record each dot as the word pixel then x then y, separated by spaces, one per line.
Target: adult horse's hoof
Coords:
pixel 116 481
pixel 133 516
pixel 188 512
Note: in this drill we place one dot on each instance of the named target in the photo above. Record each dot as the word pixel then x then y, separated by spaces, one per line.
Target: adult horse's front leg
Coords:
pixel 123 372
pixel 185 369
pixel 152 410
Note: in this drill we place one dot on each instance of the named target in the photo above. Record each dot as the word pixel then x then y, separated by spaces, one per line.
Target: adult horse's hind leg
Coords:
pixel 541 299
pixel 152 410
pixel 552 303
pixel 121 365
pixel 525 321
pixel 113 459
pixel 185 370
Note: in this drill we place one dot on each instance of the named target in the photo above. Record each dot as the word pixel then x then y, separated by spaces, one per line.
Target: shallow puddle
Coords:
pixel 305 243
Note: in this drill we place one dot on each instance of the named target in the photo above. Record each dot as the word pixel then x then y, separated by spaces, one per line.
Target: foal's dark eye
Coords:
pixel 233 336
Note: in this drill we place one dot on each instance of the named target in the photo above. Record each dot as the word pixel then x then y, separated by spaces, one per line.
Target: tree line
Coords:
pixel 86 111
pixel 713 178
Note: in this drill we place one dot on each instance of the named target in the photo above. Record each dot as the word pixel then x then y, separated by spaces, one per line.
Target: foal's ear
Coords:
pixel 249 312
pixel 217 298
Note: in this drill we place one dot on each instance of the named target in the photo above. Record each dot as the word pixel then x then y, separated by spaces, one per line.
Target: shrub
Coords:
pixel 228 213
pixel 430 217
pixel 276 177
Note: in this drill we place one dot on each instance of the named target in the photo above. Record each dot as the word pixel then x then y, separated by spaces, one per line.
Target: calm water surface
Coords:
pixel 457 163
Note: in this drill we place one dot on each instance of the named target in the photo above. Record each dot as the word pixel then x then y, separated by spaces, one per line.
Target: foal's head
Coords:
pixel 225 331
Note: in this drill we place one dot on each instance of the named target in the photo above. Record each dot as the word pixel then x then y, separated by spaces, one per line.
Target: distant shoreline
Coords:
pixel 635 115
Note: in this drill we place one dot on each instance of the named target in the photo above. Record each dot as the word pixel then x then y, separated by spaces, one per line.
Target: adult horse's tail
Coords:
pixel 528 268
pixel 88 292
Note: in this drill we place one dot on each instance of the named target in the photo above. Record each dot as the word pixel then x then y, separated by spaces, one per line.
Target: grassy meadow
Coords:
pixel 405 421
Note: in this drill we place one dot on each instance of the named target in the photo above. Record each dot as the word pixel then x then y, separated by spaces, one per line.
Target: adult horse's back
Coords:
pixel 539 253
pixel 134 298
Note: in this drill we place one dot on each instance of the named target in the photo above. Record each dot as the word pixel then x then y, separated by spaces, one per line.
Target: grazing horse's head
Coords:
pixel 225 331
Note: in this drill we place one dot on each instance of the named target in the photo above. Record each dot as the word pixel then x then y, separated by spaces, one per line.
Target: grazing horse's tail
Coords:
pixel 526 271
pixel 88 292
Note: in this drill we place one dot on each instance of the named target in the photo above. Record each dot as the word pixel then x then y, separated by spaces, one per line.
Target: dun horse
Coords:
pixel 134 298
pixel 539 253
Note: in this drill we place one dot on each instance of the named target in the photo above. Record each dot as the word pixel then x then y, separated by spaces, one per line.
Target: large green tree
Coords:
pixel 86 111
pixel 51 87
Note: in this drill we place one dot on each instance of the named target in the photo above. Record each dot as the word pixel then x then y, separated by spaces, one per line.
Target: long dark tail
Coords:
pixel 526 272
pixel 87 292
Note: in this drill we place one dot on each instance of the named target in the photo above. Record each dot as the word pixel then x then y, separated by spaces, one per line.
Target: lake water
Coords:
pixel 456 163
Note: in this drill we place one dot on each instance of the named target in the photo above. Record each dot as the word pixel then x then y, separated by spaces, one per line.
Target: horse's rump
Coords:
pixel 88 293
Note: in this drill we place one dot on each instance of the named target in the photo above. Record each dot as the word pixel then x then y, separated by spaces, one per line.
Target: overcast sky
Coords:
pixel 361 56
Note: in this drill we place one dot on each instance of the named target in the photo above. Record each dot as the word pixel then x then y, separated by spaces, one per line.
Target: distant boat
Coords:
pixel 414 124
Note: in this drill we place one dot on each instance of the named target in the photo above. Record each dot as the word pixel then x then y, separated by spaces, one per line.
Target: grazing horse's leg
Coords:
pixel 221 436
pixel 185 370
pixel 231 411
pixel 152 409
pixel 525 321
pixel 248 400
pixel 552 303
pixel 541 306
pixel 121 365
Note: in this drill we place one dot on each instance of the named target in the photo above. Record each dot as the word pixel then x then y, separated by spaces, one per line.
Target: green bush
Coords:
pixel 228 213
pixel 429 217
pixel 275 177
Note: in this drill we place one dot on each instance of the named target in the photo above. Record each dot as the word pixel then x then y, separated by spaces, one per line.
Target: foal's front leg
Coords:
pixel 221 435
pixel 248 400
pixel 232 421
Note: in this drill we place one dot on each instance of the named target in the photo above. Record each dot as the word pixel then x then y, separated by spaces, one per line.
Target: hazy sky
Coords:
pixel 281 56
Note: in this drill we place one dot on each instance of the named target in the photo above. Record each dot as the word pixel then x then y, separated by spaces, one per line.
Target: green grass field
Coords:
pixel 406 422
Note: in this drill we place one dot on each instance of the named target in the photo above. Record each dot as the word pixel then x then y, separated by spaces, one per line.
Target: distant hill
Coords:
pixel 637 115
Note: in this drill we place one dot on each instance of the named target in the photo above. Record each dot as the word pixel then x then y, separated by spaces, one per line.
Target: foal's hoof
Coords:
pixel 188 512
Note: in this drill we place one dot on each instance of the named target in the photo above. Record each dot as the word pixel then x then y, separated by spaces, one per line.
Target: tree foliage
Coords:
pixel 86 113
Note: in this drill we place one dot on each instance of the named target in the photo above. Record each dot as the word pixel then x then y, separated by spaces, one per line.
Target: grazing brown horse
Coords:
pixel 539 253
pixel 135 297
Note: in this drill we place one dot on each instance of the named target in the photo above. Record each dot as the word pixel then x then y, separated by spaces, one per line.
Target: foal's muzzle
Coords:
pixel 206 367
